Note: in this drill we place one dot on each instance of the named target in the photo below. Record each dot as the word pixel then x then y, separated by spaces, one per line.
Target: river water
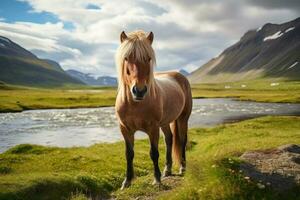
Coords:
pixel 86 126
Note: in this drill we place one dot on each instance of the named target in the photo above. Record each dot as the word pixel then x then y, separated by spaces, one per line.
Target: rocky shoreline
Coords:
pixel 278 168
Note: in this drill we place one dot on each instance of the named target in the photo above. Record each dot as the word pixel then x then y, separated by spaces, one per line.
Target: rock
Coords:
pixel 278 168
pixel 293 148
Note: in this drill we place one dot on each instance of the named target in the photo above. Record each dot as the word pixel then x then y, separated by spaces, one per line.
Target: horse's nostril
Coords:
pixel 139 93
pixel 134 90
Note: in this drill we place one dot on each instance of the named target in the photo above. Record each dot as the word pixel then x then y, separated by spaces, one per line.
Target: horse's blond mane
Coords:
pixel 138 45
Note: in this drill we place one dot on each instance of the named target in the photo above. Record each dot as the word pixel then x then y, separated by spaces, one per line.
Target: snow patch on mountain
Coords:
pixel 95 76
pixel 274 36
pixel 289 29
pixel 258 29
pixel 92 79
pixel 277 34
pixel 293 65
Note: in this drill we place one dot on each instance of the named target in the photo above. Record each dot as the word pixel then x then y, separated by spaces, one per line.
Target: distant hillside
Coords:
pixel 270 51
pixel 21 67
pixel 184 72
pixel 89 79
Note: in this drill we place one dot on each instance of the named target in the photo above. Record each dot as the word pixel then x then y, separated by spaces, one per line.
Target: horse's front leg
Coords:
pixel 154 154
pixel 129 143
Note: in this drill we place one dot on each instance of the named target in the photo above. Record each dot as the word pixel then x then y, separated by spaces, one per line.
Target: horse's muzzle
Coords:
pixel 138 94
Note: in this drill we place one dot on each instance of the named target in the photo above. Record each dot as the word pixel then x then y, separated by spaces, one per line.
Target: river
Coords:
pixel 87 126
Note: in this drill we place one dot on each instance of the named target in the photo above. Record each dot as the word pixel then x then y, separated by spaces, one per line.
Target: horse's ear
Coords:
pixel 150 37
pixel 123 37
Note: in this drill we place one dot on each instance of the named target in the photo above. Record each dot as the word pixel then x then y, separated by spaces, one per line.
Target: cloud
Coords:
pixel 278 4
pixel 187 33
pixel 33 36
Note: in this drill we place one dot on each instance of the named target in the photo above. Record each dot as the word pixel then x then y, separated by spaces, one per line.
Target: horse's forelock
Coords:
pixel 138 49
pixel 138 46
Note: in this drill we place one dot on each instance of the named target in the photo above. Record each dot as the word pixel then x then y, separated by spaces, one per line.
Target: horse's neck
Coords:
pixel 154 89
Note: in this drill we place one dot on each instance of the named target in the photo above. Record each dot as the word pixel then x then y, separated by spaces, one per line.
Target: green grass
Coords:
pixel 213 164
pixel 16 98
pixel 37 172
pixel 256 90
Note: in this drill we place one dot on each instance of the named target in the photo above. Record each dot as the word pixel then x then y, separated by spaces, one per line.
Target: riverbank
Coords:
pixel 38 172
pixel 16 99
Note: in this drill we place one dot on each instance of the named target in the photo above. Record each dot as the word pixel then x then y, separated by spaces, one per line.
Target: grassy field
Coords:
pixel 14 99
pixel 37 172
pixel 257 90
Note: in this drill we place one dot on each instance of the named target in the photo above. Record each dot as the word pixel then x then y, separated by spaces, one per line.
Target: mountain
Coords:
pixel 89 79
pixel 272 51
pixel 184 72
pixel 21 67
pixel 9 48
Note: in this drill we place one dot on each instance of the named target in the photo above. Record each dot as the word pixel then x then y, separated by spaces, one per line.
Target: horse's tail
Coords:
pixel 179 140
pixel 177 145
pixel 180 125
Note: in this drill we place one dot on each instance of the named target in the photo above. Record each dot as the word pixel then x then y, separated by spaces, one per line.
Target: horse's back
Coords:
pixel 184 85
pixel 178 77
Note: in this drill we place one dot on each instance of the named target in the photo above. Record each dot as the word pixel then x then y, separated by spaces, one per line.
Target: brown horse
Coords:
pixel 148 102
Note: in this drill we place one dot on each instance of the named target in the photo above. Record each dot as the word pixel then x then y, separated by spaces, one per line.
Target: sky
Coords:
pixel 84 34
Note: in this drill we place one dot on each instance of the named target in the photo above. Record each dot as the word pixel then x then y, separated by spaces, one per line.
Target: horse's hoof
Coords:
pixel 167 173
pixel 156 182
pixel 125 184
pixel 182 171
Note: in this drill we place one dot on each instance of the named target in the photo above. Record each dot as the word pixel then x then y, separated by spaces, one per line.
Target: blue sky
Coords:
pixel 84 34
pixel 12 11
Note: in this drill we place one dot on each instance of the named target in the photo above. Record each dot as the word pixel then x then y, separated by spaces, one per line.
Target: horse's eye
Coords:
pixel 149 59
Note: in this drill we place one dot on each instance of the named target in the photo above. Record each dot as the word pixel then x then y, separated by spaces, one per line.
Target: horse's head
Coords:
pixel 136 58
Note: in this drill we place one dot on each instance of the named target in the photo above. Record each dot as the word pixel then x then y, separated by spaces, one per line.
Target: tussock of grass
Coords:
pixel 5 170
pixel 36 172
pixel 28 149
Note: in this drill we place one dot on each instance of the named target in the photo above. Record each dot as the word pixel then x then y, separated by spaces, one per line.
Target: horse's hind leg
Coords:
pixel 129 142
pixel 182 124
pixel 168 140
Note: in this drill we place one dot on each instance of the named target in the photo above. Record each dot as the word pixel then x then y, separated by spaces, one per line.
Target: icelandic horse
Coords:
pixel 147 102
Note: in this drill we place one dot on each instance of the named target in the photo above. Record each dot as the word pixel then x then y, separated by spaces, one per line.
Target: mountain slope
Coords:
pixel 19 66
pixel 183 72
pixel 271 51
pixel 91 80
